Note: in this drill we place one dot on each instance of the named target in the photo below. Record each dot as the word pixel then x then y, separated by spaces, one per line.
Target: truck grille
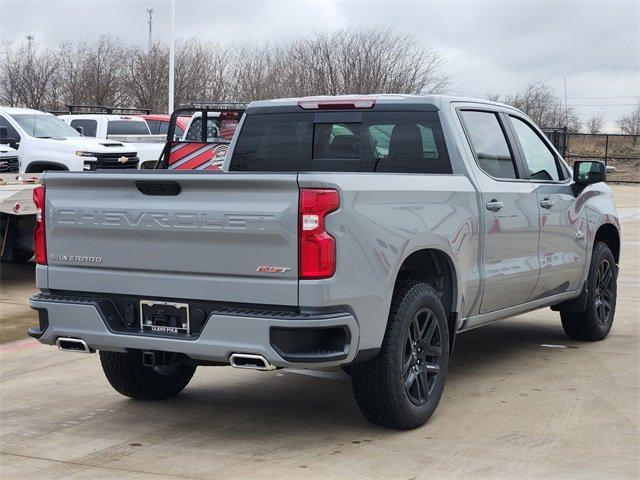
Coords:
pixel 9 165
pixel 113 161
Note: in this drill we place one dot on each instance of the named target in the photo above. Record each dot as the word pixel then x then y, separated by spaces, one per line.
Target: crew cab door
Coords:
pixel 562 250
pixel 510 210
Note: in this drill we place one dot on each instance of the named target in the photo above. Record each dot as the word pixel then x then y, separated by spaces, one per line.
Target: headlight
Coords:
pixel 80 153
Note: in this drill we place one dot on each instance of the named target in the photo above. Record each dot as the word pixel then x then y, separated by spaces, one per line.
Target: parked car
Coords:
pixel 129 129
pixel 45 142
pixel 365 232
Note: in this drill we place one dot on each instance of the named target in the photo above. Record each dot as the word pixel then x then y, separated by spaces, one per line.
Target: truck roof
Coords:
pixel 386 98
pixel 18 111
pixel 109 117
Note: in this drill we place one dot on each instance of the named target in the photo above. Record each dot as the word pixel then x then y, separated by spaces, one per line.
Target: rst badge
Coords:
pixel 272 269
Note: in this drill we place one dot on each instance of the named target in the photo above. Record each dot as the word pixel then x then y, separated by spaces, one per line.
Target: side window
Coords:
pixel 89 127
pixel 489 143
pixel 12 134
pixel 540 161
pixel 154 125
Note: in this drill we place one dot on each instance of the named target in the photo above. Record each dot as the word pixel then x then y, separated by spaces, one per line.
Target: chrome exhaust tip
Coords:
pixel 250 361
pixel 73 345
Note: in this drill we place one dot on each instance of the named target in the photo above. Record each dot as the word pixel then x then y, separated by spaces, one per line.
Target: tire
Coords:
pixel 379 384
pixel 596 321
pixel 128 376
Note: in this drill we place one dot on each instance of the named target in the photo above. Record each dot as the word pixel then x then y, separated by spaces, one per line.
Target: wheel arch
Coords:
pixel 437 268
pixel 609 234
pixel 40 166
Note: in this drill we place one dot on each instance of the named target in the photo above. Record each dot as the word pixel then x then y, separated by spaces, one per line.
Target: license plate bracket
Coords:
pixel 164 317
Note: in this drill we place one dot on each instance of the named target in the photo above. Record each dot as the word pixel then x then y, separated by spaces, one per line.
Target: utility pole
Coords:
pixel 566 107
pixel 172 52
pixel 150 22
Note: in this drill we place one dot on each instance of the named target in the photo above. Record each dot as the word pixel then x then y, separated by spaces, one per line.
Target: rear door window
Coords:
pixel 401 142
pixel 489 143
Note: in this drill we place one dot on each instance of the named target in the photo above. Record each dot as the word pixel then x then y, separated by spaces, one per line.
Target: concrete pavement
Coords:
pixel 521 401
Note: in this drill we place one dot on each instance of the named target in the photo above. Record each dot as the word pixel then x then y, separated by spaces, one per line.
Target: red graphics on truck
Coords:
pixel 196 156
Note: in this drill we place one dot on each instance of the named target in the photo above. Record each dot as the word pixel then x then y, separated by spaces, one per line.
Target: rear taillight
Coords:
pixel 39 241
pixel 317 248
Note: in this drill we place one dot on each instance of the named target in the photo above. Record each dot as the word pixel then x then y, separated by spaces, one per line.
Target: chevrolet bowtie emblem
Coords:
pixel 122 160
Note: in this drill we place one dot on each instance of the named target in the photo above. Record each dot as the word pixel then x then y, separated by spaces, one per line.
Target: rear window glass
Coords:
pixel 407 142
pixel 127 127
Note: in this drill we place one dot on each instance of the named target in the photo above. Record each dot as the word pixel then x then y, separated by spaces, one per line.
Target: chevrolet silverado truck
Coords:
pixel 364 232
pixel 46 143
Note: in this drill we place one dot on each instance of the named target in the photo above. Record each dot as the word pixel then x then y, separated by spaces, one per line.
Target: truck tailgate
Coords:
pixel 131 233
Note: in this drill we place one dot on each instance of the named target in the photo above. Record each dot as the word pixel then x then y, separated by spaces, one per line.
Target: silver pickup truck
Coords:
pixel 364 232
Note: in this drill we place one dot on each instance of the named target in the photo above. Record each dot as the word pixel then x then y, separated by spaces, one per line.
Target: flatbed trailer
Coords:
pixel 17 216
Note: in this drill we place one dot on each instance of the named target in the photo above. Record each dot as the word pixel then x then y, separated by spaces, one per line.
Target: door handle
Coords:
pixel 546 202
pixel 495 205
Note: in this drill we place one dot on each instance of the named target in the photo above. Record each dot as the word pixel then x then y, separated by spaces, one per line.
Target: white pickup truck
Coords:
pixel 44 142
pixel 129 129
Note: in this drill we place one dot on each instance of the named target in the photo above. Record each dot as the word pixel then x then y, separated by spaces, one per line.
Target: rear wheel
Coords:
pixel 402 386
pixel 596 321
pixel 128 376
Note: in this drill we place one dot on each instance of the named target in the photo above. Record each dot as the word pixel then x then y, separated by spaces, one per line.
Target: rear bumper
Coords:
pixel 221 336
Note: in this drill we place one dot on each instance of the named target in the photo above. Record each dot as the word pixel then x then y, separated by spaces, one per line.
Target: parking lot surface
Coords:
pixel 522 401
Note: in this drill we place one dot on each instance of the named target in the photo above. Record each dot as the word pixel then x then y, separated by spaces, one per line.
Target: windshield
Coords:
pixel 44 125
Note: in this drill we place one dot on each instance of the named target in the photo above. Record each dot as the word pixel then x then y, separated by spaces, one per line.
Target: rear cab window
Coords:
pixel 127 127
pixel 353 141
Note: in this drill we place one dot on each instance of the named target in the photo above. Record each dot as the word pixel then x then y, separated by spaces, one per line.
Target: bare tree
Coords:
pixel 106 72
pixel 539 102
pixel 630 124
pixel 145 77
pixel 594 124
pixel 28 76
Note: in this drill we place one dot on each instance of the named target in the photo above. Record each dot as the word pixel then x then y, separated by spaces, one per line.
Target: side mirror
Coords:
pixel 80 130
pixel 586 172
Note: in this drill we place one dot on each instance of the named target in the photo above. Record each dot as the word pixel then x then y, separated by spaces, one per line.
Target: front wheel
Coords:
pixel 402 386
pixel 128 376
pixel 596 321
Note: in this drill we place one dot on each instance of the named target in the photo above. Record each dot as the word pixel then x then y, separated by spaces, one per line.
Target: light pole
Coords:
pixel 150 22
pixel 172 51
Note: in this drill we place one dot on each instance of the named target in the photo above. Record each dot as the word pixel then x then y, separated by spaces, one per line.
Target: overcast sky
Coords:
pixel 489 47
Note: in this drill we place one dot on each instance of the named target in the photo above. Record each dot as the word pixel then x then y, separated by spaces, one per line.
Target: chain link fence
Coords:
pixel 619 151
